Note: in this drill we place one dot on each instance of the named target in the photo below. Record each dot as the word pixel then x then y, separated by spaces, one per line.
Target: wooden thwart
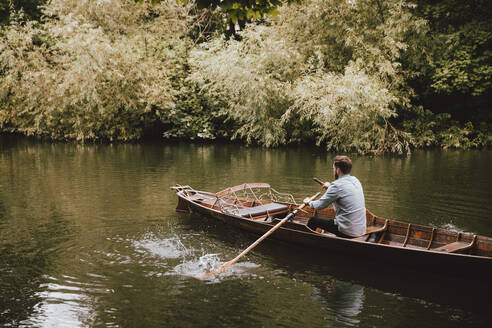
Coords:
pixel 374 229
pixel 456 246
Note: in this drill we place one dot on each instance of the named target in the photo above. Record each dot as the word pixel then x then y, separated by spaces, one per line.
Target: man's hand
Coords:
pixel 326 185
pixel 306 200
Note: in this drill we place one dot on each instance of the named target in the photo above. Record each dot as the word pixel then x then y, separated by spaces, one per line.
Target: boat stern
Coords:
pixel 182 206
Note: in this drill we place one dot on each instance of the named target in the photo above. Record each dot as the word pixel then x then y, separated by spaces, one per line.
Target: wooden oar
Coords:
pixel 320 182
pixel 224 266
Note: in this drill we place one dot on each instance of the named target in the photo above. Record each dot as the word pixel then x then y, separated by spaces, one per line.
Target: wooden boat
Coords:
pixel 256 207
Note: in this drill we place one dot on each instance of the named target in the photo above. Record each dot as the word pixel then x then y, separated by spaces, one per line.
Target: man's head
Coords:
pixel 341 165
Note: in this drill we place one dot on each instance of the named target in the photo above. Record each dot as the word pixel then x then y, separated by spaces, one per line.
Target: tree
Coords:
pixel 331 67
pixel 458 78
pixel 31 9
pixel 92 70
pixel 465 63
pixel 237 13
pixel 242 10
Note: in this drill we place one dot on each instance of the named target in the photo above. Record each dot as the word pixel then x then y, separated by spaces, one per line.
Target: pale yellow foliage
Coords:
pixel 255 76
pixel 92 70
pixel 314 63
pixel 350 111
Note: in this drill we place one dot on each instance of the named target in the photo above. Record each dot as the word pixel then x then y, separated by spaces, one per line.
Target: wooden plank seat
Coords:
pixel 456 246
pixel 267 209
pixel 373 229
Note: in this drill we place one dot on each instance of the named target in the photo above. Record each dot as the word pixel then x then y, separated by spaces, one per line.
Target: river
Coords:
pixel 89 237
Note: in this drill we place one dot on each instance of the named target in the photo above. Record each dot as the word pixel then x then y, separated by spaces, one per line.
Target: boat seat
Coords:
pixel 372 229
pixel 262 210
pixel 456 246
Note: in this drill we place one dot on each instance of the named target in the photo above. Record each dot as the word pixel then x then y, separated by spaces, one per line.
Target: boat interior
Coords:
pixel 260 202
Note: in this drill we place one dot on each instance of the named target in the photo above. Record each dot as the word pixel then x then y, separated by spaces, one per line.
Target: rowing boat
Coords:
pixel 256 207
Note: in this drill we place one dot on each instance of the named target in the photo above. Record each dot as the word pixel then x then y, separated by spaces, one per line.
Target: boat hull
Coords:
pixel 448 264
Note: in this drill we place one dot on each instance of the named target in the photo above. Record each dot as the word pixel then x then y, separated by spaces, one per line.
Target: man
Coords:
pixel 347 197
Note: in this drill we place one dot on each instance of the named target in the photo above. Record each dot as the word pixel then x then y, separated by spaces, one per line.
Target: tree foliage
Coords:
pixel 327 63
pixel 462 31
pixel 30 8
pixel 345 75
pixel 241 10
pixel 96 70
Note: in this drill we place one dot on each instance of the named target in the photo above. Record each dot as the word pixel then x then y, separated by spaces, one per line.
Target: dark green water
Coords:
pixel 89 237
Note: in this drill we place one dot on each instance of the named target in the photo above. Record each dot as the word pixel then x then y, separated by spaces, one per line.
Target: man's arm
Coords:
pixel 328 197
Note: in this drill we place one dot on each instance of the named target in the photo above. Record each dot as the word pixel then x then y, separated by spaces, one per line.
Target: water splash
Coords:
pixel 192 264
pixel 194 267
pixel 198 268
pixel 170 248
pixel 452 227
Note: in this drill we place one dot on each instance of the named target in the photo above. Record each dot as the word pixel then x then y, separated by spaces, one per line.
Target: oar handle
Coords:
pixel 321 183
pixel 259 240
pixel 305 204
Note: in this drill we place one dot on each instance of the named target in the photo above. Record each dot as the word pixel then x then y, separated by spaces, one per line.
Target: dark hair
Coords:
pixel 343 163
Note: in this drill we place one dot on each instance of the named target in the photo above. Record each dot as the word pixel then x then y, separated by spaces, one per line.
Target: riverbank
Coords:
pixel 452 138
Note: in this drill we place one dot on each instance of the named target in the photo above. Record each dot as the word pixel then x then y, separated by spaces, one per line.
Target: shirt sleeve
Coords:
pixel 328 197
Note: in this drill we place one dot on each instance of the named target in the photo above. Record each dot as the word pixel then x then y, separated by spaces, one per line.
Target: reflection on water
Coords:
pixel 344 301
pixel 29 247
pixel 62 304
pixel 89 237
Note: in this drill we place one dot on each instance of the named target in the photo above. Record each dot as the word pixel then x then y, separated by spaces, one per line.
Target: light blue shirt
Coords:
pixel 347 197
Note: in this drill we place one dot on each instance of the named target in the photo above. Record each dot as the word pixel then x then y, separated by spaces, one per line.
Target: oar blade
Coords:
pixel 220 270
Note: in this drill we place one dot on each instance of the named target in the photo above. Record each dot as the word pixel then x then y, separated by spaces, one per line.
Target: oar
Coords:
pixel 259 240
pixel 320 182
